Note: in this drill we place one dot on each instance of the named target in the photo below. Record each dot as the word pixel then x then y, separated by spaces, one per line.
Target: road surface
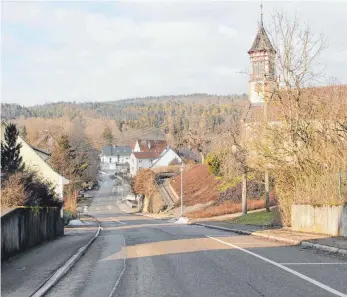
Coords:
pixel 138 256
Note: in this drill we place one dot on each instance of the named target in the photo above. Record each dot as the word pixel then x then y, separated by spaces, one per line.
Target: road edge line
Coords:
pixel 285 268
pixel 58 274
pixel 303 244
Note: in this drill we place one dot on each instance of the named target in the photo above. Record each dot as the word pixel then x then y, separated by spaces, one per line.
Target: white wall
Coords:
pixel 137 164
pixel 114 159
pixel 167 158
pixel 137 147
pixel 133 165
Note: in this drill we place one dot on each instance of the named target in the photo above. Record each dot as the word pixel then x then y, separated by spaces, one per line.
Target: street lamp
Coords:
pixel 181 168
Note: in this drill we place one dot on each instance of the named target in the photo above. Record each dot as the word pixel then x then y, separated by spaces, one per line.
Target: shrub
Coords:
pixel 27 188
pixel 213 162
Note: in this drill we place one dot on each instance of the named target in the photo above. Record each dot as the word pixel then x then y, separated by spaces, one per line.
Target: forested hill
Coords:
pixel 127 109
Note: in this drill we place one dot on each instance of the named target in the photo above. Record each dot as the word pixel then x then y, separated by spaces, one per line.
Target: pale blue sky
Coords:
pixel 98 51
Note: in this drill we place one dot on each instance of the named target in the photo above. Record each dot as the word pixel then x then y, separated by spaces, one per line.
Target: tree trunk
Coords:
pixel 267 191
pixel 244 193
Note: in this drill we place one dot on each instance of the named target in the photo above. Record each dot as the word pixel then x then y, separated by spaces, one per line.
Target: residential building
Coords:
pixel 35 159
pixel 113 156
pixel 167 157
pixel 141 160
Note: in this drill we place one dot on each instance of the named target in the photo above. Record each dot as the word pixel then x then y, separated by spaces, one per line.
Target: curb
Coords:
pixel 303 244
pixel 65 268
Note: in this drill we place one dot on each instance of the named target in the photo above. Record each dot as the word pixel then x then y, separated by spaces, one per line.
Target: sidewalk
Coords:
pixel 25 273
pixel 310 240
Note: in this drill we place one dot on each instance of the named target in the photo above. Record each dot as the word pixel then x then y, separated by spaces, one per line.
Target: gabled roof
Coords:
pixel 111 150
pixel 152 145
pixel 262 42
pixel 162 154
pixel 146 155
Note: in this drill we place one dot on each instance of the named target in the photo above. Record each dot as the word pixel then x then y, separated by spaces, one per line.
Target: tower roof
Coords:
pixel 262 42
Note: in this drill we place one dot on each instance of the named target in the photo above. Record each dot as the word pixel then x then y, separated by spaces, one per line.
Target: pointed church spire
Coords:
pixel 262 41
pixel 261 14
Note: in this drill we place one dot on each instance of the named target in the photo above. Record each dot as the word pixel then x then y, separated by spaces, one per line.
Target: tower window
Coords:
pixel 261 68
pixel 255 68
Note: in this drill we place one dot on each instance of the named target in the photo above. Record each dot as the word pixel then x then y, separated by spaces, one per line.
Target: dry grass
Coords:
pixel 199 185
pixel 228 207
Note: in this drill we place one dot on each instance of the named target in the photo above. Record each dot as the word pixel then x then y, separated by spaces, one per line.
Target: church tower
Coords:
pixel 262 54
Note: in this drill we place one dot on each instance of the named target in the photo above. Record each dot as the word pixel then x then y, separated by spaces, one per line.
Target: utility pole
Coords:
pixel 181 168
pixel 266 175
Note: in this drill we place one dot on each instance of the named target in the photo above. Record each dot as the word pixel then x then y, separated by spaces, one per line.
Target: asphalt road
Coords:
pixel 138 256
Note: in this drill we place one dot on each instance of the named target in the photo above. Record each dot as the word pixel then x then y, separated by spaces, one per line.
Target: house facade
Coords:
pixel 167 157
pixel 112 156
pixel 151 154
pixel 141 160
pixel 35 159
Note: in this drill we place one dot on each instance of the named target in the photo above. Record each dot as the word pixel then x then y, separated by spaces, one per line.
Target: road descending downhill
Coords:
pixel 138 256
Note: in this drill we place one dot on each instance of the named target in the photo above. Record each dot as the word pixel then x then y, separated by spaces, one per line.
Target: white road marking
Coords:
pixel 298 274
pixel 118 221
pixel 305 263
pixel 109 207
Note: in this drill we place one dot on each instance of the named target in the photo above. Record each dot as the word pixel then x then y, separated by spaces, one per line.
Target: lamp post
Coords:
pixel 181 168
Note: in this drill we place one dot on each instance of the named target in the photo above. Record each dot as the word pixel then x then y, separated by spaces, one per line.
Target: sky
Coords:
pixel 101 51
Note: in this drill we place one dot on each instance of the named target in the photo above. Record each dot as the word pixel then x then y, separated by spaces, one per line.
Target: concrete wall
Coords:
pixel 23 228
pixel 330 220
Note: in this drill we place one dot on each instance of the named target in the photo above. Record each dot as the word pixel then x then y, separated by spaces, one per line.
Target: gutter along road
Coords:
pixel 138 256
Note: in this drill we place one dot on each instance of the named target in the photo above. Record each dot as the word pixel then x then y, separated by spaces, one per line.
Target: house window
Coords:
pixel 110 160
pixel 140 161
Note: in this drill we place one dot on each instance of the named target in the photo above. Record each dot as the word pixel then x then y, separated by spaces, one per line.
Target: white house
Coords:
pixel 35 158
pixel 140 160
pixel 112 155
pixel 166 158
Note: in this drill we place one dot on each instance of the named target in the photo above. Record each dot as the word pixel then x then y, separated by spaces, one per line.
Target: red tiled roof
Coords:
pixel 146 155
pixel 152 145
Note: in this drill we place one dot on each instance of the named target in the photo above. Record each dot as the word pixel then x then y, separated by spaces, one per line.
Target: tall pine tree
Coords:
pixel 11 161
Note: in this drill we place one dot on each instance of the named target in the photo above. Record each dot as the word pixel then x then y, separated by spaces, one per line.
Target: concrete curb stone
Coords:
pixel 304 244
pixel 65 268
